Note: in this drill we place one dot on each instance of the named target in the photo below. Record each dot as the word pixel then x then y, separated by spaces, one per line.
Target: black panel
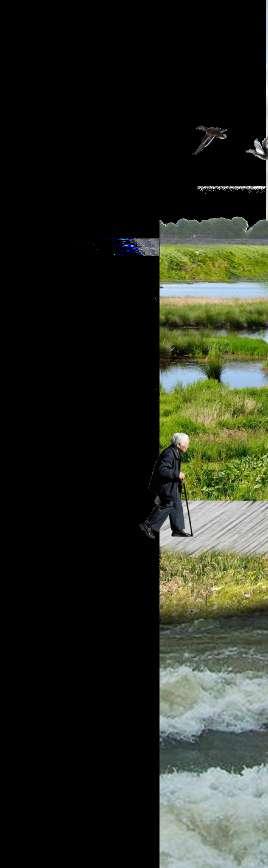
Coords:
pixel 210 69
pixel 216 76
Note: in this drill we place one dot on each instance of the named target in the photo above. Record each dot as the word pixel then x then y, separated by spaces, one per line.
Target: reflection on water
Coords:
pixel 215 290
pixel 238 375
pixel 258 334
pixel 261 334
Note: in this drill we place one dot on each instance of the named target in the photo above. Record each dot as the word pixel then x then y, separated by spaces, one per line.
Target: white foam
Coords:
pixel 194 700
pixel 215 819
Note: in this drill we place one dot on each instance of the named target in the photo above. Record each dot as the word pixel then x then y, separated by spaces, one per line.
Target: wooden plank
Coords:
pixel 221 525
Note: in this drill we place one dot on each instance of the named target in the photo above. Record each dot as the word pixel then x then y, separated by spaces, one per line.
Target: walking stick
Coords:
pixel 188 508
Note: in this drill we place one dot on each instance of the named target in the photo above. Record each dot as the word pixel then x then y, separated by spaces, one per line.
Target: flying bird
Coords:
pixel 261 149
pixel 211 134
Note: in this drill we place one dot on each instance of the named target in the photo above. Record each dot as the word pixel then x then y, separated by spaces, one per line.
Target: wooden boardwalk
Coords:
pixel 222 525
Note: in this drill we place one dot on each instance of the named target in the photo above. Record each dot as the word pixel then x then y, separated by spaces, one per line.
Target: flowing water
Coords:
pixel 214 744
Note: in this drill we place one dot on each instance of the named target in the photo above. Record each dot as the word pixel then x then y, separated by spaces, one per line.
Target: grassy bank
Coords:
pixel 228 453
pixel 201 345
pixel 211 585
pixel 212 264
pixel 179 313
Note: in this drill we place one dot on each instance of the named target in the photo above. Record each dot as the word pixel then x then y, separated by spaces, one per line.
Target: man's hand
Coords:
pixel 182 476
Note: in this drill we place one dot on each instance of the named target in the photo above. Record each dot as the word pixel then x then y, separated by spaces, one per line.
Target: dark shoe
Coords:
pixel 180 533
pixel 147 531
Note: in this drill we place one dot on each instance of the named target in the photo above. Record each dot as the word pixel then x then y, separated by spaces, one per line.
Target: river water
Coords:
pixel 214 744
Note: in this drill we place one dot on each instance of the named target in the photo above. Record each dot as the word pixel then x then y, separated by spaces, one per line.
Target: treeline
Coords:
pixel 214 229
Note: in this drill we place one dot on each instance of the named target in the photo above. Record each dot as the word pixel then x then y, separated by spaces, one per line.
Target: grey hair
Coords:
pixel 180 439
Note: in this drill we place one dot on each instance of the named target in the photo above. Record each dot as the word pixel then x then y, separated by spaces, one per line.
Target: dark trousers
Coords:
pixel 161 511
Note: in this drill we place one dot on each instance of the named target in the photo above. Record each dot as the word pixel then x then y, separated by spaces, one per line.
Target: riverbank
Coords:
pixel 179 343
pixel 228 429
pixel 183 312
pixel 211 264
pixel 211 585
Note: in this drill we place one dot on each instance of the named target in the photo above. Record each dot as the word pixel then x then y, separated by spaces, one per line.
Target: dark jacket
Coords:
pixel 168 484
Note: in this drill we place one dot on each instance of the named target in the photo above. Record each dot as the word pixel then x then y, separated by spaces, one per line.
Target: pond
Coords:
pixel 238 375
pixel 258 334
pixel 215 290
pixel 242 333
pixel 214 743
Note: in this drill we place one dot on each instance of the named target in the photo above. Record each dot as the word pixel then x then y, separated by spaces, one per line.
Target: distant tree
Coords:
pixel 187 228
pixel 183 228
pixel 194 227
pixel 221 227
pixel 259 230
pixel 163 231
pixel 210 228
pixel 240 224
pixel 170 231
pixel 213 229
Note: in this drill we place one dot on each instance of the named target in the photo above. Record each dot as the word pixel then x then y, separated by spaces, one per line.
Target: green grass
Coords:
pixel 221 263
pixel 180 343
pixel 243 315
pixel 228 429
pixel 212 584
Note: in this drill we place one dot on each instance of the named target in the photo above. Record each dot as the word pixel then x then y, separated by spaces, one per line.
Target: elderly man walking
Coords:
pixel 166 485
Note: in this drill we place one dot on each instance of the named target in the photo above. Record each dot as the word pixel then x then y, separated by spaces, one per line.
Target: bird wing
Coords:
pixel 201 128
pixel 258 147
pixel 205 142
pixel 265 145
